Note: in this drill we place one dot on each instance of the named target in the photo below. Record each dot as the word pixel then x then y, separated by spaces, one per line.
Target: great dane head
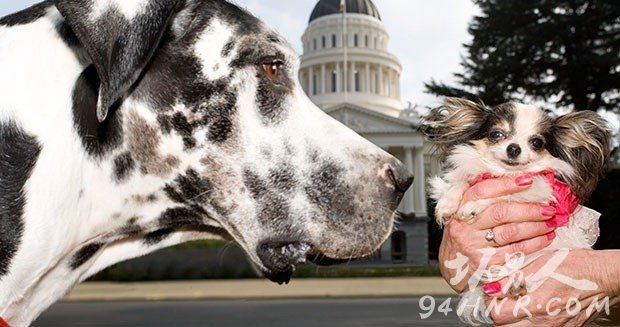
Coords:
pixel 203 100
pixel 186 121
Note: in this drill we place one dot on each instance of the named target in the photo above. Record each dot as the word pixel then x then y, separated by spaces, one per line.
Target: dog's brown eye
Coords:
pixel 537 143
pixel 272 69
pixel 496 135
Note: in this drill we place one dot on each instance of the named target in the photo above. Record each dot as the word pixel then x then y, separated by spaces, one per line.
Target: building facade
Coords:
pixel 347 70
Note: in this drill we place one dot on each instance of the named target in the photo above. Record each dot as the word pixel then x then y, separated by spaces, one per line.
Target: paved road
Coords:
pixel 255 313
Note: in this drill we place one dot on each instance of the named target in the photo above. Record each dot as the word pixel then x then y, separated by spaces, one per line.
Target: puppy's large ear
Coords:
pixel 582 139
pixel 120 37
pixel 456 121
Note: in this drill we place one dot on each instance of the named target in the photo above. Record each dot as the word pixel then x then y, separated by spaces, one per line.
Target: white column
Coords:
pixel 409 205
pixel 398 86
pixel 420 184
pixel 390 83
pixel 352 77
pixel 381 89
pixel 367 78
pixel 338 77
pixel 323 79
pixel 310 81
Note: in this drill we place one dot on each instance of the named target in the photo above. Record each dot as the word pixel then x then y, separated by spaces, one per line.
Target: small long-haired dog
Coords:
pixel 566 156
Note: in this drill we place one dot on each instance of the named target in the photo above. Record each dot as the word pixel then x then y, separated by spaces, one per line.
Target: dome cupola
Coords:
pixel 331 7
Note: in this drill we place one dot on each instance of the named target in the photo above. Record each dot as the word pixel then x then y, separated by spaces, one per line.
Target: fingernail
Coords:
pixel 524 180
pixel 548 211
pixel 551 223
pixel 551 236
pixel 492 288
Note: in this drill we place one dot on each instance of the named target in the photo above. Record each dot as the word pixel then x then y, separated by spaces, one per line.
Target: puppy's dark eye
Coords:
pixel 537 143
pixel 496 136
pixel 273 69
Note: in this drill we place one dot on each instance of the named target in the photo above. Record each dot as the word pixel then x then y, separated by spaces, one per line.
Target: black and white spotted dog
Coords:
pixel 131 125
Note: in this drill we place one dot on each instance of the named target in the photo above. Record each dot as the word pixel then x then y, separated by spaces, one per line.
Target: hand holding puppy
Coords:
pixel 518 227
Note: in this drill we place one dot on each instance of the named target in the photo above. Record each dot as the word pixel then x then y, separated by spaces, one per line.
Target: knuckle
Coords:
pixel 475 193
pixel 499 213
pixel 508 233
pixel 455 230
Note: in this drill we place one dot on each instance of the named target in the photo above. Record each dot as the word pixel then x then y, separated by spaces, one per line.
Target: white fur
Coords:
pixel 209 48
pixel 128 8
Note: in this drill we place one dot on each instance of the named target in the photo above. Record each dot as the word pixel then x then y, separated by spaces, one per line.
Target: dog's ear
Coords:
pixel 120 37
pixel 455 122
pixel 583 139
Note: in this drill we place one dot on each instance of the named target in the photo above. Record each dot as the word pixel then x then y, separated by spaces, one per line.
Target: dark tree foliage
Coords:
pixel 563 52
pixel 605 200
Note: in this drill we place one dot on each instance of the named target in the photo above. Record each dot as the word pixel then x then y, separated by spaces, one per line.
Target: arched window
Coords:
pixel 399 246
pixel 314 44
pixel 366 41
pixel 355 40
pixel 324 42
pixel 356 77
pixel 334 81
pixel 333 40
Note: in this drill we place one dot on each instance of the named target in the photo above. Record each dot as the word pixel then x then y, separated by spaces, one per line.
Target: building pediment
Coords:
pixel 366 121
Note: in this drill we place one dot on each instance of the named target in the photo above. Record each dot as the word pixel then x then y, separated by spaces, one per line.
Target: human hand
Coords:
pixel 518 227
pixel 572 287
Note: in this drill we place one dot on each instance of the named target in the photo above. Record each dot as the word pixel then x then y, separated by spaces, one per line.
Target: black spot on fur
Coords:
pixel 283 177
pixel 190 188
pixel 123 166
pixel 185 129
pixel 228 47
pixel 257 187
pixel 181 125
pixel 157 236
pixel 181 216
pixel 270 98
pixel 26 16
pixel 97 138
pixel 272 206
pixel 18 155
pixel 329 191
pixel 131 229
pixel 66 34
pixel 165 122
pixel 85 254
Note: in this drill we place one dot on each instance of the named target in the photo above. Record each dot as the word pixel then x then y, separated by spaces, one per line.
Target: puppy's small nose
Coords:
pixel 513 150
pixel 396 176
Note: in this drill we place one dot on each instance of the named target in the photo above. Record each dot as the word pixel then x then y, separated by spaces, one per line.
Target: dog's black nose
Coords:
pixel 513 150
pixel 396 175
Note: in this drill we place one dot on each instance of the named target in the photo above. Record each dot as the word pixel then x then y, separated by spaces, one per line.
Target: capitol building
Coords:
pixel 347 70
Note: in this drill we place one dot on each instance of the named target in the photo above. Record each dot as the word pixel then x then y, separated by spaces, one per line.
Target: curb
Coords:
pixel 260 289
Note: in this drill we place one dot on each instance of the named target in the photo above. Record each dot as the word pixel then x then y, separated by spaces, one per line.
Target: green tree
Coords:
pixel 563 52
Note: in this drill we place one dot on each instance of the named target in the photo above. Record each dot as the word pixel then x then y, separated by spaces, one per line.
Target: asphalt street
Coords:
pixel 393 312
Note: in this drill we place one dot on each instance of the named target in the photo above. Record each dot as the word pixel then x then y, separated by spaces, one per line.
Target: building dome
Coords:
pixel 330 7
pixel 346 59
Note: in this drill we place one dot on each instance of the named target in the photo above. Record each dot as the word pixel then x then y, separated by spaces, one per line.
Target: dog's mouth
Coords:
pixel 281 258
pixel 515 163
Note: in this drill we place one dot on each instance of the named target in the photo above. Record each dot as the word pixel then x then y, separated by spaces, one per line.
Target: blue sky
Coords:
pixel 427 36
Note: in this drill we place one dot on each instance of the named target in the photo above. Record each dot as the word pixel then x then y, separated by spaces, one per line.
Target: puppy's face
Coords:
pixel 515 136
